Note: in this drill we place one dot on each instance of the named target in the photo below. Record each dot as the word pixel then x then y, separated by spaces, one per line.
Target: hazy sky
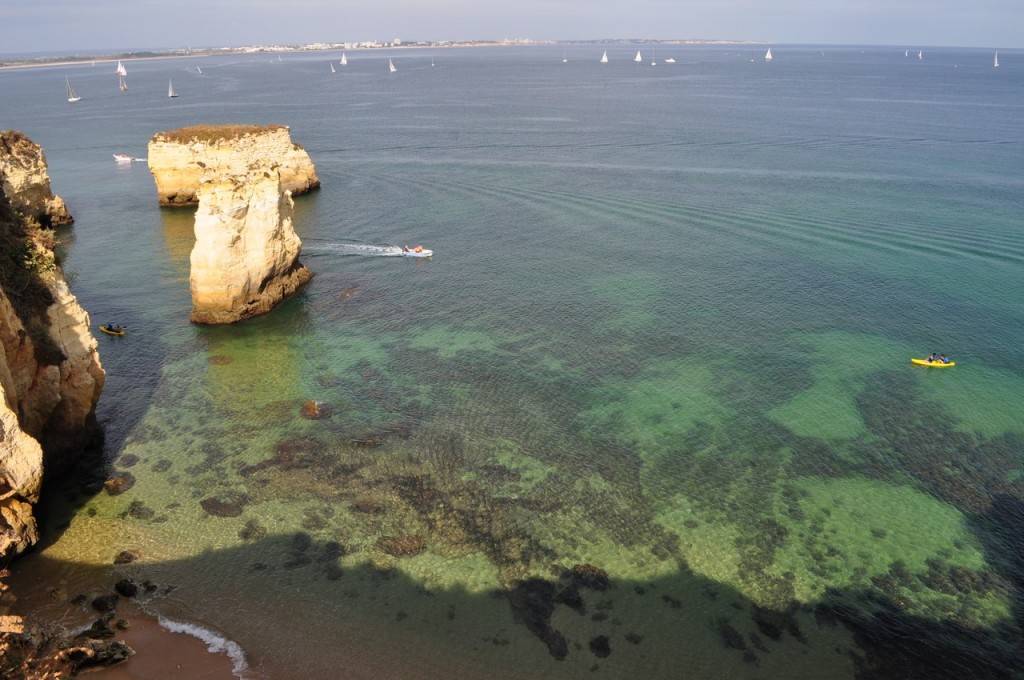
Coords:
pixel 60 25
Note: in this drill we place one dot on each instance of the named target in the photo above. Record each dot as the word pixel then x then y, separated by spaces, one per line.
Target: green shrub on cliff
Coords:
pixel 27 265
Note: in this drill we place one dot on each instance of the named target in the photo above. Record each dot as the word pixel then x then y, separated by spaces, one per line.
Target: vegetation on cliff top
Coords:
pixel 27 269
pixel 214 133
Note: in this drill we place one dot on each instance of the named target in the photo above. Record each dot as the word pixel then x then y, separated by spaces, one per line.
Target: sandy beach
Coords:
pixel 161 654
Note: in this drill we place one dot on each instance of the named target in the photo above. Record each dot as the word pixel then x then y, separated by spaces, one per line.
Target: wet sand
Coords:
pixel 161 654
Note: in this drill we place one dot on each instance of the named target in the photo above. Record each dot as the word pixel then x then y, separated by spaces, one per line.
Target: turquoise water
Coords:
pixel 665 333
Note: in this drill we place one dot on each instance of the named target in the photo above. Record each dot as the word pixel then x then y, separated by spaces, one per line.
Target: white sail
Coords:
pixel 768 55
pixel 604 57
pixel 199 70
pixel 564 60
pixel 906 53
pixel 344 59
pixel 332 68
pixel 995 60
pixel 72 97
pixel 638 58
pixel 121 70
pixel 391 66
pixel 920 54
pixel 170 89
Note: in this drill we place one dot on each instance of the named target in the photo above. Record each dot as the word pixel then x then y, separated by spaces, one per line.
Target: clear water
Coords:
pixel 665 333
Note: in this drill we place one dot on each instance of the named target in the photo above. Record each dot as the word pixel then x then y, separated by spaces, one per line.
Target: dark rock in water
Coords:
pixel 590 576
pixel 126 588
pixel 122 624
pixel 128 459
pixel 139 510
pixel 119 483
pixel 600 647
pixel 126 557
pixel 99 630
pixel 105 603
pixel 533 602
pixel 571 598
pixel 252 531
pixel 97 653
pixel 634 638
pixel 402 546
pixel 230 507
pixel 731 637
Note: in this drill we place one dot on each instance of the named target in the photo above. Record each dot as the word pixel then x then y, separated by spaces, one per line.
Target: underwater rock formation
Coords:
pixel 181 159
pixel 246 256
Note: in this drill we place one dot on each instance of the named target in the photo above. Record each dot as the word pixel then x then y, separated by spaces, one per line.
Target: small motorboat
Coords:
pixel 123 158
pixel 418 251
pixel 112 329
pixel 933 364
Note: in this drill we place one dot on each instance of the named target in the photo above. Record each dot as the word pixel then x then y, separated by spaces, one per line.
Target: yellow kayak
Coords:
pixel 111 331
pixel 933 364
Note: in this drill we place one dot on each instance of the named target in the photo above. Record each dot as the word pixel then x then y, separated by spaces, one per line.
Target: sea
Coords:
pixel 647 412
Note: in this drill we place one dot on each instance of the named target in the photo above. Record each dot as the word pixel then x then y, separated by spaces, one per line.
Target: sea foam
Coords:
pixel 215 642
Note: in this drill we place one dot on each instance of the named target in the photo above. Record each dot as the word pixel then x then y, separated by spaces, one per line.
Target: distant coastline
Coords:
pixel 15 61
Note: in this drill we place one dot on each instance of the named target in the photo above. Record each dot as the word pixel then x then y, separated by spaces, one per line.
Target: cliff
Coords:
pixel 50 373
pixel 180 159
pixel 246 256
pixel 25 182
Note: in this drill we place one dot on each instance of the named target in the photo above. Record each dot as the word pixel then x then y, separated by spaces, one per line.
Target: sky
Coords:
pixel 60 26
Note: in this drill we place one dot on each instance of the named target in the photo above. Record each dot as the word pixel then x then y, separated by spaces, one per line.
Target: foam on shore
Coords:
pixel 215 642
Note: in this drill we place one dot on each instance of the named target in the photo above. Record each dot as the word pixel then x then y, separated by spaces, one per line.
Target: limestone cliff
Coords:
pixel 180 159
pixel 25 181
pixel 50 373
pixel 246 256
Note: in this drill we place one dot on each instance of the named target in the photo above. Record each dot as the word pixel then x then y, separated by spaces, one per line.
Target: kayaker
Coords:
pixel 944 359
pixel 931 358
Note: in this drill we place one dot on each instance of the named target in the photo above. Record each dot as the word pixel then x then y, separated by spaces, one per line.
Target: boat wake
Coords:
pixel 366 249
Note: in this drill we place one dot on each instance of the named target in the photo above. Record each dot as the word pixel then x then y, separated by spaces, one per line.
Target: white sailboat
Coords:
pixel 344 59
pixel 391 66
pixel 72 97
pixel 768 55
pixel 638 58
pixel 564 60
pixel 604 57
pixel 906 53
pixel 670 60
pixel 170 89
pixel 199 71
pixel 121 70
pixel 920 54
pixel 995 60
pixel 332 68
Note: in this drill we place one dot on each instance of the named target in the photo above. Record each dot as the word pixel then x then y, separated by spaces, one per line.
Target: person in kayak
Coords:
pixel 944 359
pixel 931 358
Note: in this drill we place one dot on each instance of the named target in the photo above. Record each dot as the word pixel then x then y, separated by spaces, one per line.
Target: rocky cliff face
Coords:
pixel 246 256
pixel 180 159
pixel 50 373
pixel 26 183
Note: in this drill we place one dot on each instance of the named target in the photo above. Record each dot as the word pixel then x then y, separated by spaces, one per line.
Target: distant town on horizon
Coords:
pixel 72 56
